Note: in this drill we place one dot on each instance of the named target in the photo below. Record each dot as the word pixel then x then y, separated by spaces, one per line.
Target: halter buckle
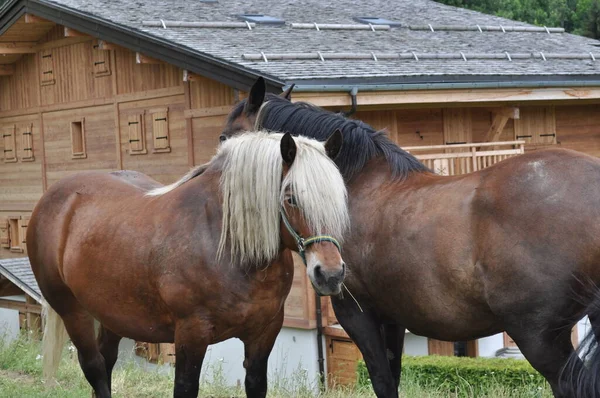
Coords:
pixel 301 245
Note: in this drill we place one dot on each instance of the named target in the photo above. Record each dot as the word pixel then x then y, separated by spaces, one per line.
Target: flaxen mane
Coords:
pixel 253 191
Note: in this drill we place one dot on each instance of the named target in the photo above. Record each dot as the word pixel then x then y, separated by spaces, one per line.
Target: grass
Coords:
pixel 20 376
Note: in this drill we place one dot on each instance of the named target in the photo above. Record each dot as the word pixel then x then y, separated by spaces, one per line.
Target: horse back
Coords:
pixel 50 223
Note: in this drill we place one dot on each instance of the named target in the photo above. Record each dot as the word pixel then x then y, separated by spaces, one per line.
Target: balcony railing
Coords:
pixel 465 158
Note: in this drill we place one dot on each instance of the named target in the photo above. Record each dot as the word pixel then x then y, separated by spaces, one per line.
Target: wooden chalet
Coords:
pixel 111 85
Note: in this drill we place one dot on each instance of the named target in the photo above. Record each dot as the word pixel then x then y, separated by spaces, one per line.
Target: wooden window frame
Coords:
pixel 136 133
pixel 14 234
pixel 27 144
pixel 8 137
pixel 100 61
pixel 47 68
pixel 160 130
pixel 76 154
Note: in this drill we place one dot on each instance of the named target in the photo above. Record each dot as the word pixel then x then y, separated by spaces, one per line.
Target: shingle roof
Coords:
pixel 18 271
pixel 232 44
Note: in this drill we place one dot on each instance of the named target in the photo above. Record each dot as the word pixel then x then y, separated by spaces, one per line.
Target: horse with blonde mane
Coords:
pixel 196 262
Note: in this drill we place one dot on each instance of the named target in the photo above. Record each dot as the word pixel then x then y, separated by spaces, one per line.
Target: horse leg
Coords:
pixel 108 343
pixel 191 340
pixel 547 350
pixel 80 327
pixel 394 342
pixel 364 329
pixel 256 352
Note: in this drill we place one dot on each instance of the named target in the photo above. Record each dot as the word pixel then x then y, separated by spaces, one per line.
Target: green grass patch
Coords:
pixel 467 377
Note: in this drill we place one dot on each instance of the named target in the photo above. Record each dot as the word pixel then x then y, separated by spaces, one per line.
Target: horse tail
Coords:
pixel 579 379
pixel 53 341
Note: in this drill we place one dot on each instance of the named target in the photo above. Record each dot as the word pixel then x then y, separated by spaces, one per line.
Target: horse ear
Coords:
pixel 256 97
pixel 288 149
pixel 333 145
pixel 287 94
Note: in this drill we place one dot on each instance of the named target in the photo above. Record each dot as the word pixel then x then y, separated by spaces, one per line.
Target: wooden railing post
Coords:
pixel 474 154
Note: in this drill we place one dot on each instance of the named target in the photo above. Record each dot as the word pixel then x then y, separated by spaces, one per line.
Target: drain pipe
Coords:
pixel 320 354
pixel 352 110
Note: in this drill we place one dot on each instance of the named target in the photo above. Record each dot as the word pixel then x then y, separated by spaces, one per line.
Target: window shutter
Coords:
pixel 8 137
pixel 160 130
pixel 46 68
pixel 23 230
pixel 137 139
pixel 536 126
pixel 101 61
pixel 27 144
pixel 4 233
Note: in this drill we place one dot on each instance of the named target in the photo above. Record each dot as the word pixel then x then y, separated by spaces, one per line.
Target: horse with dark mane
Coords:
pixel 195 262
pixel 453 257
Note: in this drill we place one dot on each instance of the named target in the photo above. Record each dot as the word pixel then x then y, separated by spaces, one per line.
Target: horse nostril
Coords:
pixel 318 272
pixel 222 138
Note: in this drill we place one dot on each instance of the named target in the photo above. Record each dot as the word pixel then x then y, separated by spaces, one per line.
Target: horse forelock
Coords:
pixel 253 192
pixel 361 141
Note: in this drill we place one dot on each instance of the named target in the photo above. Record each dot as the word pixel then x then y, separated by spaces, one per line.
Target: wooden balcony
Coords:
pixel 465 158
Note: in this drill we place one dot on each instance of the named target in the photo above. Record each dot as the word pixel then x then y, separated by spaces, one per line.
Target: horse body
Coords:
pixel 152 293
pixel 144 260
pixel 469 269
pixel 508 248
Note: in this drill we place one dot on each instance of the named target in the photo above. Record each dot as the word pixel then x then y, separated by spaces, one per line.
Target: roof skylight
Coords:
pixel 261 19
pixel 377 21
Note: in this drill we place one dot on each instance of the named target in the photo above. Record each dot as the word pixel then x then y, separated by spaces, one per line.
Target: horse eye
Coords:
pixel 222 138
pixel 292 200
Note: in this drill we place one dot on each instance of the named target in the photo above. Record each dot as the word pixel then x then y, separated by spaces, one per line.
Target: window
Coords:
pixel 10 150
pixel 13 231
pixel 46 68
pixel 78 139
pixel 262 19
pixel 377 21
pixel 100 61
pixel 160 130
pixel 27 144
pixel 137 139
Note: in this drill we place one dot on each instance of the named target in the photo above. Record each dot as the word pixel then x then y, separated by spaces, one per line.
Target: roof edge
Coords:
pixel 300 86
pixel 19 283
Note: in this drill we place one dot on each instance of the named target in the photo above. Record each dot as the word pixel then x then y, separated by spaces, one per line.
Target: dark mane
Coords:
pixel 361 141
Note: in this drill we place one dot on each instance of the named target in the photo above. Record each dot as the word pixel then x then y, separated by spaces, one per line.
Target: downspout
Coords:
pixel 352 110
pixel 320 354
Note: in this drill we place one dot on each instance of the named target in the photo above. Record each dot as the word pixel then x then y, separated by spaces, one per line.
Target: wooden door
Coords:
pixel 342 361
pixel 438 347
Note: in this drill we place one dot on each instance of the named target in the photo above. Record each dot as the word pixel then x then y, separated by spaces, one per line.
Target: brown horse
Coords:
pixel 195 262
pixel 453 258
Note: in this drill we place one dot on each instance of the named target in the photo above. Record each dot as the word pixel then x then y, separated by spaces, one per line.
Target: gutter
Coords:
pixel 299 87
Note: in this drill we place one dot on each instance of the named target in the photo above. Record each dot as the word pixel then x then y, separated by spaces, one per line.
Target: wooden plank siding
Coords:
pixel 17 91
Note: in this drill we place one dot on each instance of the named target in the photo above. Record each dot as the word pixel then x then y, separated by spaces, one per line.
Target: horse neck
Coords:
pixel 377 173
